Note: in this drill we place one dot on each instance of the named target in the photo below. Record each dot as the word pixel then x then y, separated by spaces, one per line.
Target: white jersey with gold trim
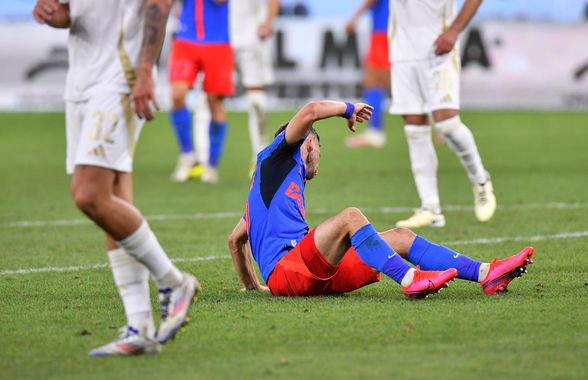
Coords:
pixel 104 42
pixel 414 25
pixel 244 18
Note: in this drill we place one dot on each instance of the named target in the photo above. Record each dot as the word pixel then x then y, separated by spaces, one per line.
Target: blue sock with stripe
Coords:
pixel 182 122
pixel 218 134
pixel 376 253
pixel 431 256
pixel 375 97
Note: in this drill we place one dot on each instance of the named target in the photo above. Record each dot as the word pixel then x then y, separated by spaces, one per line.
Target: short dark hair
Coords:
pixel 283 128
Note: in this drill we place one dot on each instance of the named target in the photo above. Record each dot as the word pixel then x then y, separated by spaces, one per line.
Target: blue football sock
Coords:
pixel 218 133
pixel 375 97
pixel 376 253
pixel 182 122
pixel 431 256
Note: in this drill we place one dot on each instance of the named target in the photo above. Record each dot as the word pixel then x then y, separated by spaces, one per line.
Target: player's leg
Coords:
pixel 376 84
pixel 444 90
pixel 218 68
pixel 494 277
pixel 200 128
pixel 106 148
pixel 183 69
pixel 350 228
pixel 408 100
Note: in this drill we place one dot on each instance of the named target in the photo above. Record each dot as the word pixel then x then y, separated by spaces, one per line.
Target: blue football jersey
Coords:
pixel 275 205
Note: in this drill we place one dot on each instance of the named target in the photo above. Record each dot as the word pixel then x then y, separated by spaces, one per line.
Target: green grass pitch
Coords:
pixel 539 163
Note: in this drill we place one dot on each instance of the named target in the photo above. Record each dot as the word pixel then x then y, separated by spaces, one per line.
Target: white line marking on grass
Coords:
pixel 483 241
pixel 237 214
pixel 75 268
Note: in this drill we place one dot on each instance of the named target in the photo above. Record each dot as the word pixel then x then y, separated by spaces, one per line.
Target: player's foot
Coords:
pixel 196 171
pixel 423 217
pixel 484 200
pixel 427 282
pixel 182 171
pixel 502 272
pixel 370 138
pixel 175 305
pixel 129 342
pixel 210 175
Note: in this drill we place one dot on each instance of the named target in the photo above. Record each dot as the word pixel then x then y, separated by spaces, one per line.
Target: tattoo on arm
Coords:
pixel 154 32
pixel 152 25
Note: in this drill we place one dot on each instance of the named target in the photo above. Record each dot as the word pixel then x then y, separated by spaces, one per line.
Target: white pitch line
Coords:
pixel 236 214
pixel 482 241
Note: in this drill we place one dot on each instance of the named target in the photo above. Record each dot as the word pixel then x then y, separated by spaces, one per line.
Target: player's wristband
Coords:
pixel 349 110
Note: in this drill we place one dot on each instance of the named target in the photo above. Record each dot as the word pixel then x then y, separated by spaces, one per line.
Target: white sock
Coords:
pixel 258 133
pixel 408 277
pixel 484 269
pixel 201 124
pixel 132 280
pixel 143 246
pixel 460 140
pixel 424 163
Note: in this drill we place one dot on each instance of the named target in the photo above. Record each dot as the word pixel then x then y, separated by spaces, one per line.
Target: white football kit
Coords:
pixel 104 43
pixel 252 54
pixel 422 81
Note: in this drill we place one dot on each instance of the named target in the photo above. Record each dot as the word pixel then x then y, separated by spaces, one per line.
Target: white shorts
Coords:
pixel 420 87
pixel 102 131
pixel 254 65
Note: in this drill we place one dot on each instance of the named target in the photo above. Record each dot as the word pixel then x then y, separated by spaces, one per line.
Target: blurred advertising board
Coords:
pixel 506 65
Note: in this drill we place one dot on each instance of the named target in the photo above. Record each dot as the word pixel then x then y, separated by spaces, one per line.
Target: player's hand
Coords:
pixel 144 94
pixel 264 30
pixel 445 42
pixel 259 287
pixel 44 10
pixel 350 26
pixel 362 112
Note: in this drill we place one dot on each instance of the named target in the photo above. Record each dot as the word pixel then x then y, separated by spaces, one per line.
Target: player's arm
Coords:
pixel 156 15
pixel 363 7
pixel 301 123
pixel 242 259
pixel 446 41
pixel 266 28
pixel 52 13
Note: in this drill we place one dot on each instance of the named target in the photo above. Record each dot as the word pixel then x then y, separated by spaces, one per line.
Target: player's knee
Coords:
pixel 178 99
pixel 404 234
pixel 448 125
pixel 353 217
pixel 87 201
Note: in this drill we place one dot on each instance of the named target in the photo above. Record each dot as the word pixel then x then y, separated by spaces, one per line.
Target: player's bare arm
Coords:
pixel 446 41
pixel 301 123
pixel 154 34
pixel 350 25
pixel 52 13
pixel 242 260
pixel 266 28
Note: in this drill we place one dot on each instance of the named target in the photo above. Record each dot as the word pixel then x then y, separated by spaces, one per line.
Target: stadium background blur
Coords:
pixel 515 54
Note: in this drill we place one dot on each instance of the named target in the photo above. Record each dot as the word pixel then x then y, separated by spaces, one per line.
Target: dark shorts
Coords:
pixel 304 272
pixel 215 61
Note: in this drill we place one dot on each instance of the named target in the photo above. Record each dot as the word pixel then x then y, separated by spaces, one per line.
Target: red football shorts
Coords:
pixel 377 56
pixel 304 272
pixel 215 61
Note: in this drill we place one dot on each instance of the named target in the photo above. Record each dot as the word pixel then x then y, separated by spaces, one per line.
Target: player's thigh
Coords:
pixel 218 65
pixel 183 63
pixel 408 97
pixel 109 134
pixel 352 274
pixel 442 76
pixel 254 66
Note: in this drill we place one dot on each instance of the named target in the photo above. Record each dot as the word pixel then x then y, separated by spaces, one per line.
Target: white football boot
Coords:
pixel 129 342
pixel 175 306
pixel 210 175
pixel 423 217
pixel 181 173
pixel 484 200
pixel 370 138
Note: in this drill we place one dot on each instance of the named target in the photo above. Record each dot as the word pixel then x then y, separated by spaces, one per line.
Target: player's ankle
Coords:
pixel 408 277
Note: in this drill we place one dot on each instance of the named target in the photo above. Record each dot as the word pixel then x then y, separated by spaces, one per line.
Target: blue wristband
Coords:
pixel 349 111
